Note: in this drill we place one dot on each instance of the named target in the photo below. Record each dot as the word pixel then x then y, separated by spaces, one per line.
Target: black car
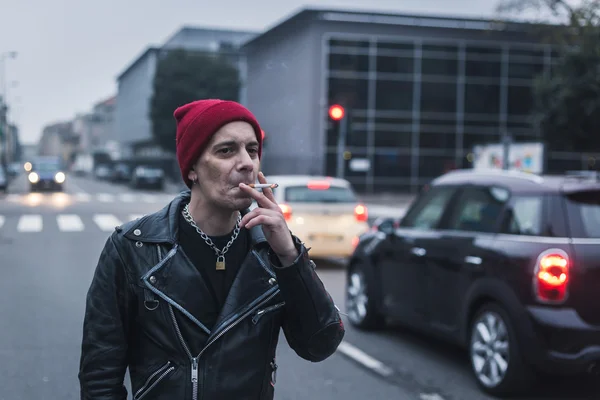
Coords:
pixel 505 264
pixel 46 174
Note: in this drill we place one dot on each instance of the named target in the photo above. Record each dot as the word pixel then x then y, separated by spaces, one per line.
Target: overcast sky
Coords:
pixel 70 51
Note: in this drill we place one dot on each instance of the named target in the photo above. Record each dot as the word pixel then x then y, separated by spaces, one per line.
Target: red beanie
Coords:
pixel 198 121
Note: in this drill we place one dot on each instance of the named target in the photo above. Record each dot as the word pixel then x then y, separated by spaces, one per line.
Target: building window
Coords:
pixel 393 132
pixel 393 164
pixel 443 139
pixel 440 51
pixel 438 97
pixel 440 67
pixel 348 62
pixel 482 98
pixel 482 68
pixel 521 70
pixel 433 166
pixel 394 95
pixel 520 100
pixel 363 44
pixel 395 64
pixel 470 140
pixel 351 93
pixel 383 46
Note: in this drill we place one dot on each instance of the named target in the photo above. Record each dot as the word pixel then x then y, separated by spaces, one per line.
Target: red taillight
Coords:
pixel 361 213
pixel 552 276
pixel 318 185
pixel 355 241
pixel 287 211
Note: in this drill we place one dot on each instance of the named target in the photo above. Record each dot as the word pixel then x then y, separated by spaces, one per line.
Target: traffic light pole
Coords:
pixel 341 146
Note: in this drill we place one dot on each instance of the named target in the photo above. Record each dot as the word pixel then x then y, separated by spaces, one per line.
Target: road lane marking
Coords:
pixel 30 223
pixel 432 396
pixel 127 197
pixel 105 197
pixel 106 222
pixel 364 359
pixel 69 223
pixel 2 220
pixel 148 198
pixel 83 197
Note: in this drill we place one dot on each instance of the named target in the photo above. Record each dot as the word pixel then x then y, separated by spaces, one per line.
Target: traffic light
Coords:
pixel 336 112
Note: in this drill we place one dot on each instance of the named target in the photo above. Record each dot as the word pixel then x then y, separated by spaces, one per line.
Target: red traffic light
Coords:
pixel 336 112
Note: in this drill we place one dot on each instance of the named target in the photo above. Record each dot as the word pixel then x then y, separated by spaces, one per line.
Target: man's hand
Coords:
pixel 269 215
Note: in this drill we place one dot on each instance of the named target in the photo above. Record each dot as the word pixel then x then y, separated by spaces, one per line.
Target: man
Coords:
pixel 192 298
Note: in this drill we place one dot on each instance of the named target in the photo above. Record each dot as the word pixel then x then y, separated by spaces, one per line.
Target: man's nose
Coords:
pixel 245 162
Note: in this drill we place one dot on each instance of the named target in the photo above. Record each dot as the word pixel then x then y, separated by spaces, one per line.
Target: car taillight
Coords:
pixel 551 278
pixel 287 211
pixel 355 241
pixel 361 213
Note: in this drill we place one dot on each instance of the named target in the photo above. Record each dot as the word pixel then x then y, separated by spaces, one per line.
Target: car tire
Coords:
pixel 361 300
pixel 499 351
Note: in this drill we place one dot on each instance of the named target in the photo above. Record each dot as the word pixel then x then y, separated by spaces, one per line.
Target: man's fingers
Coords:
pixel 268 192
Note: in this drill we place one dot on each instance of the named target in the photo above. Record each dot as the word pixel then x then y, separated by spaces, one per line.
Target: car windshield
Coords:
pixel 331 194
pixel 584 214
pixel 46 166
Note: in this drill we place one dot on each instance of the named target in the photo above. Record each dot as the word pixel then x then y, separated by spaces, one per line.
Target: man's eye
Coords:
pixel 253 150
pixel 225 150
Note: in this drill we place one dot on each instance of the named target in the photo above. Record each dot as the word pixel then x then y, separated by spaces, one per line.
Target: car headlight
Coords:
pixel 60 177
pixel 33 177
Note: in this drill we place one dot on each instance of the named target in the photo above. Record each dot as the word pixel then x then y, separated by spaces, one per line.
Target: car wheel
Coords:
pixel 360 298
pixel 495 356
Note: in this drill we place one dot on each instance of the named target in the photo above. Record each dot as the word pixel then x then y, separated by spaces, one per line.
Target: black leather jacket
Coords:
pixel 145 289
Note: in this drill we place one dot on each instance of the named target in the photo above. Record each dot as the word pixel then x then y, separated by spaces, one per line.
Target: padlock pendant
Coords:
pixel 220 263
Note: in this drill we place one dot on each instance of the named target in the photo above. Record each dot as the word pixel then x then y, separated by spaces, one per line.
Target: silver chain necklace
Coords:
pixel 220 266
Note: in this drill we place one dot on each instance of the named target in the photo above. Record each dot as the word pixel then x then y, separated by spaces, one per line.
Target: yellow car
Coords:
pixel 322 211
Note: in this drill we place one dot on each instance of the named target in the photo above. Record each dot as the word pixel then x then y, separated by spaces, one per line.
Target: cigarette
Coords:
pixel 263 185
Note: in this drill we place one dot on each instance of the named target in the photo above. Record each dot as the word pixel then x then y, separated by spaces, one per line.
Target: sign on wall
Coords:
pixel 525 157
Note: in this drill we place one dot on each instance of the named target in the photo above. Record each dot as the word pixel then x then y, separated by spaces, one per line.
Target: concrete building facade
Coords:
pixel 419 93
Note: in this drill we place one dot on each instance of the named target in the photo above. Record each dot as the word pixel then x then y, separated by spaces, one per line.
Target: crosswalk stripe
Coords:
pixel 69 223
pixel 13 197
pixel 148 198
pixel 105 197
pixel 127 197
pixel 30 223
pixel 106 222
pixel 83 197
pixel 2 219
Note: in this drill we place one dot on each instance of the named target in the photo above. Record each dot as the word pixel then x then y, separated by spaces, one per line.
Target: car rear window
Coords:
pixel 332 194
pixel 583 209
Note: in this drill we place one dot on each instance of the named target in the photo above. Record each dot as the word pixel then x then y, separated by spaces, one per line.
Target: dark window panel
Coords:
pixel 520 100
pixel 349 43
pixel 431 66
pixel 348 62
pixel 482 98
pixel 395 65
pixel 392 164
pixel 351 93
pixel 482 69
pixel 438 97
pixel 520 70
pixel 470 140
pixel 438 140
pixel 434 166
pixel 381 45
pixel 394 95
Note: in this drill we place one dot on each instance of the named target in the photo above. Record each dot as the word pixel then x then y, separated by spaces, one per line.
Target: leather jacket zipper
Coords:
pixel 162 372
pixel 258 315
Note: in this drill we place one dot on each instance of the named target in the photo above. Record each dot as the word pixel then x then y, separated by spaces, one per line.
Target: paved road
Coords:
pixel 49 244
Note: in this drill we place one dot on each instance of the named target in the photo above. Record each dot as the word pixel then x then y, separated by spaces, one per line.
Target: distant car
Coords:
pixel 148 177
pixel 504 264
pixel 46 173
pixel 3 180
pixel 323 211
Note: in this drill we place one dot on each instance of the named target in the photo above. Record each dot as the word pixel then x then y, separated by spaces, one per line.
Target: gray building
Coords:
pixel 419 92
pixel 135 84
